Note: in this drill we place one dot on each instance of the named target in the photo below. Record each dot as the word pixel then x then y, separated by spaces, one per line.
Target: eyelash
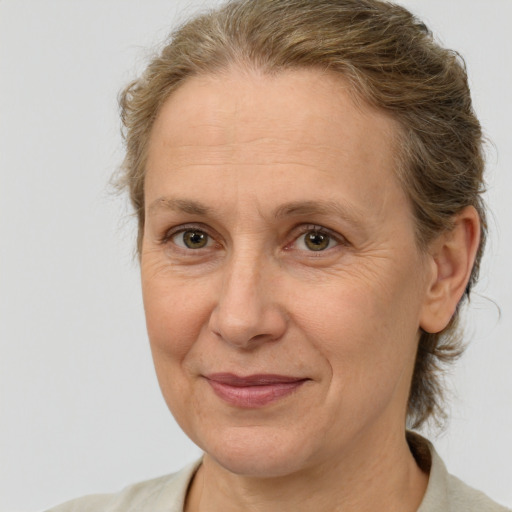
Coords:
pixel 169 235
pixel 319 230
pixel 304 229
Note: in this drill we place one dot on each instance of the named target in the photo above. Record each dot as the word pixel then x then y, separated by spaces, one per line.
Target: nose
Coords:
pixel 247 313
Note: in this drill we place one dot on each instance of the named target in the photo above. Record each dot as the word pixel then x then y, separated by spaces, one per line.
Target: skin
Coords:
pixel 253 163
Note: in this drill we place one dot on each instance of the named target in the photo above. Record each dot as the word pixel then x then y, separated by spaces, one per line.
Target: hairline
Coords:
pixel 397 136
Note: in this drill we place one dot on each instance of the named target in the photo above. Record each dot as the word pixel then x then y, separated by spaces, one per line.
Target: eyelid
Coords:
pixel 298 231
pixel 176 230
pixel 306 228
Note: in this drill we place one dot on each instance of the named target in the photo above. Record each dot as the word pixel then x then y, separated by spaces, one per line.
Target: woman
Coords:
pixel 307 179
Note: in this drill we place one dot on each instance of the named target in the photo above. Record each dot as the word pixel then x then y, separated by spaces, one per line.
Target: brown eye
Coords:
pixel 194 239
pixel 317 241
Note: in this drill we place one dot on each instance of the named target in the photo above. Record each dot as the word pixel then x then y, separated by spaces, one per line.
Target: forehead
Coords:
pixel 240 104
pixel 299 130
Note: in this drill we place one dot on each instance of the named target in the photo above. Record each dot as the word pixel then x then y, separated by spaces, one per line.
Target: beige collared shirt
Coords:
pixel 445 493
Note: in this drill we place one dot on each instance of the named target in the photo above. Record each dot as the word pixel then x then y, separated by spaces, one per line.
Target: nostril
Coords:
pixel 248 330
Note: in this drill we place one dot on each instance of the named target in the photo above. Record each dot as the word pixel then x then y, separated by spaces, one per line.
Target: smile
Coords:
pixel 253 391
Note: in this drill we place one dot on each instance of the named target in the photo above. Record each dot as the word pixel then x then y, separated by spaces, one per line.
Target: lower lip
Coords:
pixel 250 397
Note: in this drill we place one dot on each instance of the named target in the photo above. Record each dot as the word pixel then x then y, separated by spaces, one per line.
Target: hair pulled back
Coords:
pixel 392 62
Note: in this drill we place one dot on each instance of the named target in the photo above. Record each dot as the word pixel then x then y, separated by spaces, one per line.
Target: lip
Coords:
pixel 253 391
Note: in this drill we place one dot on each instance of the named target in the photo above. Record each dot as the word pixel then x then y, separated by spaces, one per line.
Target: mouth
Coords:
pixel 253 391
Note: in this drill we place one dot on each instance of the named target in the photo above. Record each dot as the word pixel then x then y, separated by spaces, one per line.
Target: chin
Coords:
pixel 258 452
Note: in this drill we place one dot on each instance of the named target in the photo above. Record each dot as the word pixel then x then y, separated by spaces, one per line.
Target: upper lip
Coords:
pixel 262 379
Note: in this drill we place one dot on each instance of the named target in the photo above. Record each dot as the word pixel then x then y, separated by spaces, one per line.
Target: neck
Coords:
pixel 371 477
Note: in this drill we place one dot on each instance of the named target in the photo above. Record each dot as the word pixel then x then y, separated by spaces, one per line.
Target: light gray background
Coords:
pixel 80 409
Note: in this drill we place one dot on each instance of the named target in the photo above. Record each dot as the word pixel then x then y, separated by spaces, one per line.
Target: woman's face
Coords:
pixel 282 284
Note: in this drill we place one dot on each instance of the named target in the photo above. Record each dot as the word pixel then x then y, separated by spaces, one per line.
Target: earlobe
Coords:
pixel 451 255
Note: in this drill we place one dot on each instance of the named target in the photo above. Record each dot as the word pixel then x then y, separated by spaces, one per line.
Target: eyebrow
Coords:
pixel 325 208
pixel 179 205
pixel 290 209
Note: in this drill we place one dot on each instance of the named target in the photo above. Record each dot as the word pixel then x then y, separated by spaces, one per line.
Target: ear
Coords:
pixel 451 257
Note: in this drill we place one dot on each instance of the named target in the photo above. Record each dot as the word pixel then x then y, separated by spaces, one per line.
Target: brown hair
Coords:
pixel 392 62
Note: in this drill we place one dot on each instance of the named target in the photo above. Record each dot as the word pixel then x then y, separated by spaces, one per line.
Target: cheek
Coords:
pixel 174 318
pixel 175 314
pixel 365 328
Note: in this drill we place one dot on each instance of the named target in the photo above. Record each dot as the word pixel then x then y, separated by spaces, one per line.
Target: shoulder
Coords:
pixel 444 491
pixel 465 498
pixel 166 493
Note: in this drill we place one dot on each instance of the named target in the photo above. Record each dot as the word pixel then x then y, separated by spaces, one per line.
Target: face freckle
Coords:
pixel 255 164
